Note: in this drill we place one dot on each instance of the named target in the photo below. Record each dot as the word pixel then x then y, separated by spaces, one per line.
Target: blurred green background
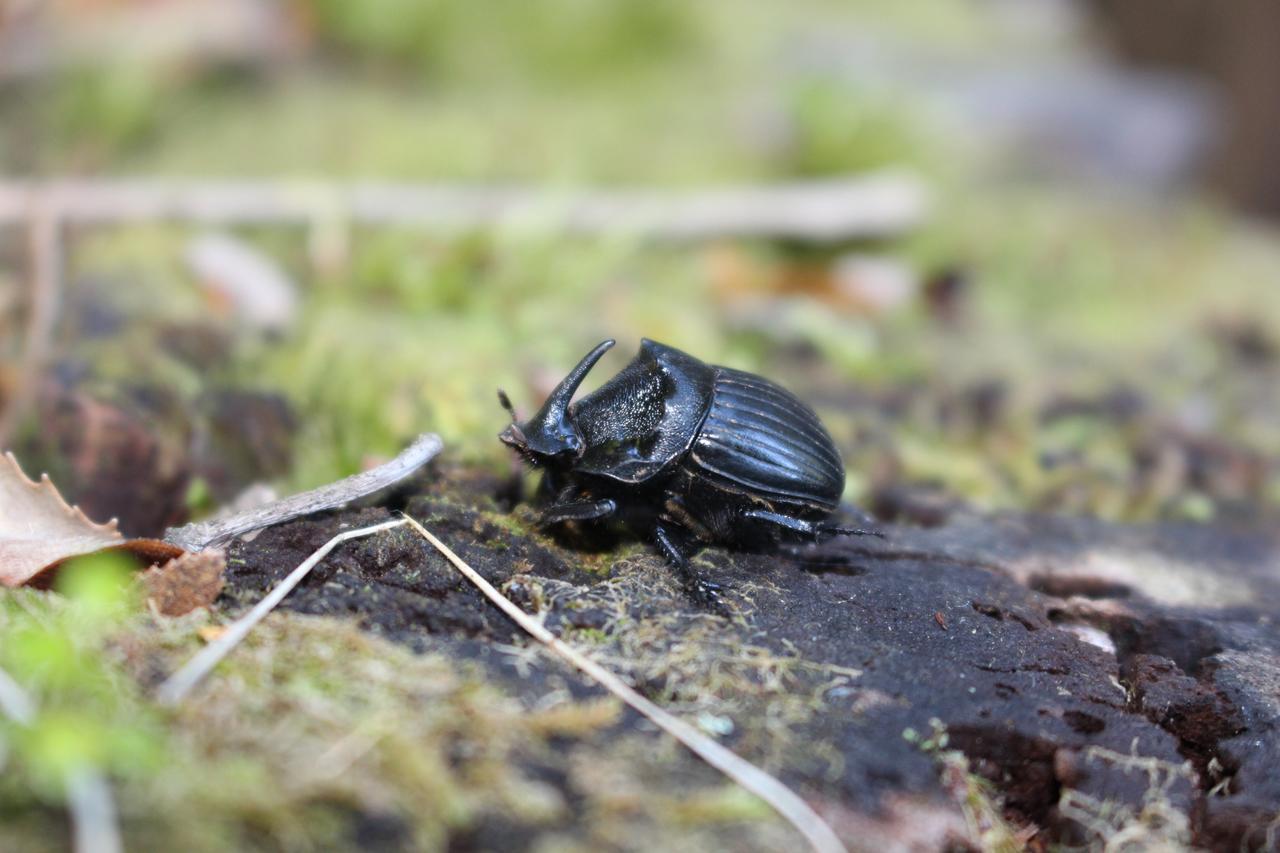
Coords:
pixel 1085 321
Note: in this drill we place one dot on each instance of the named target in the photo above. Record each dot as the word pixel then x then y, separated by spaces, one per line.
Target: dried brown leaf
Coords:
pixel 39 530
pixel 186 583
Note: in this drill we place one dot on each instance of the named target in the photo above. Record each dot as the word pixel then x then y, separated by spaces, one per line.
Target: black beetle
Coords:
pixel 686 453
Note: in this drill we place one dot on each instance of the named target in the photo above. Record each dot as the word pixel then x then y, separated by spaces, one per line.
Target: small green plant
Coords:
pixel 86 716
pixel 977 797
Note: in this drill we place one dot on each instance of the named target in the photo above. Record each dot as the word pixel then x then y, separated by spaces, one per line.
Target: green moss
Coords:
pixel 589 636
pixel 308 726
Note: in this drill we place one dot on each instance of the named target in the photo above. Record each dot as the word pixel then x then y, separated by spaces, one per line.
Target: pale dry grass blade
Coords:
pixel 178 685
pixel 768 788
pixel 46 228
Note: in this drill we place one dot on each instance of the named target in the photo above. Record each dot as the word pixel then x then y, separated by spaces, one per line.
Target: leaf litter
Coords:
pixel 39 530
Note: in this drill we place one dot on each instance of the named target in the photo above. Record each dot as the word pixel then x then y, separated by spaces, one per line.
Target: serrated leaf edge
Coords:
pixel 47 488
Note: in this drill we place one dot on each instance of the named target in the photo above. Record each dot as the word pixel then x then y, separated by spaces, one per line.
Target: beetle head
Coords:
pixel 551 434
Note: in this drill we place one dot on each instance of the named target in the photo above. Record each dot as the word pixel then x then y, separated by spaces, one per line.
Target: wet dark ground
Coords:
pixel 1087 670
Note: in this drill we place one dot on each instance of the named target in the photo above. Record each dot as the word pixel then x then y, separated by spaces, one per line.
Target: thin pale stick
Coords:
pixel 178 685
pixel 781 798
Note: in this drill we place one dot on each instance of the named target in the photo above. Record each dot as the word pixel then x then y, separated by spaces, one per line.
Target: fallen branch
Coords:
pixel 177 686
pixel 876 205
pixel 781 798
pixel 206 534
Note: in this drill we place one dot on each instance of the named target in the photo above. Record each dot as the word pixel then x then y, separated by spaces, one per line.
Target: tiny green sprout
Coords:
pixel 198 496
pixel 937 740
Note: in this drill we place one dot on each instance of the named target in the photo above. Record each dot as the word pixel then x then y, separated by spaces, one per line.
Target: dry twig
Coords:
pixel 93 813
pixel 206 534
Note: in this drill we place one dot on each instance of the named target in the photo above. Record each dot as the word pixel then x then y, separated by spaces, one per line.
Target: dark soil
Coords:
pixel 1132 666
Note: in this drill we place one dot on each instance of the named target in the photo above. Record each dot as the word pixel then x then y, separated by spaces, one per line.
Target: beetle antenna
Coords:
pixel 506 404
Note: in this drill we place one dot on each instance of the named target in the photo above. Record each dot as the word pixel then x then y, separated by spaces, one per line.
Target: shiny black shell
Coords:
pixel 668 410
pixel 760 437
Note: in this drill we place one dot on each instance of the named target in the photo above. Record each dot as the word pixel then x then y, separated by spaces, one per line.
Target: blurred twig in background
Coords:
pixel 44 291
pixel 872 206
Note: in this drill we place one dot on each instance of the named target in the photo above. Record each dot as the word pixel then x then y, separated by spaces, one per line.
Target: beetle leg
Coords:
pixel 816 529
pixel 578 511
pixel 827 529
pixel 670 549
pixel 702 591
pixel 797 525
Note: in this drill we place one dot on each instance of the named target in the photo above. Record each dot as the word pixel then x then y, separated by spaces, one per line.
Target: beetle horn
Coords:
pixel 549 431
pixel 558 402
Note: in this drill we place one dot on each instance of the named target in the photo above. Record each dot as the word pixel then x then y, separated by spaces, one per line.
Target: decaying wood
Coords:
pixel 785 801
pixel 875 205
pixel 206 534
